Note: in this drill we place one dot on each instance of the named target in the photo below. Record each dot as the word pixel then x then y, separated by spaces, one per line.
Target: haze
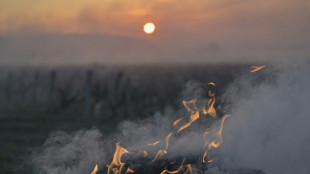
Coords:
pixel 110 32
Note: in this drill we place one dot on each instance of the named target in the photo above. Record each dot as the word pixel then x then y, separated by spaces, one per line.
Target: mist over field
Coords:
pixel 76 49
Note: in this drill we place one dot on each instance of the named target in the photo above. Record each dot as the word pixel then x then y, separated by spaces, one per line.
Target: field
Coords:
pixel 35 101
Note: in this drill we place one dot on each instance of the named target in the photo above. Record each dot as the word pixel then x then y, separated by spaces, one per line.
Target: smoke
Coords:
pixel 269 128
pixel 67 154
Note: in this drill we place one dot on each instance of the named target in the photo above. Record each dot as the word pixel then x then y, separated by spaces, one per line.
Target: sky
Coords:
pixel 110 31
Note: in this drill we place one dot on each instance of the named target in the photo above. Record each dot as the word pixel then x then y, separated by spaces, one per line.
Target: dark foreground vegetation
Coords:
pixel 34 101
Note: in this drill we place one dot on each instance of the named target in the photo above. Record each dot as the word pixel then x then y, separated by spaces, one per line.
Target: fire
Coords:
pixel 167 140
pixel 217 136
pixel 95 170
pixel 129 170
pixel 257 68
pixel 116 164
pixel 211 83
pixel 191 107
pixel 153 144
pixel 212 138
pixel 210 105
pixel 159 155
pixel 187 167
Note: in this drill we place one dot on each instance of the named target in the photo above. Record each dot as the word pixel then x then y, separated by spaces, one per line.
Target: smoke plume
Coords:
pixel 268 129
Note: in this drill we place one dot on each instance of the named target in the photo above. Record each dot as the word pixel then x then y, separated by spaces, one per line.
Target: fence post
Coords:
pixel 87 94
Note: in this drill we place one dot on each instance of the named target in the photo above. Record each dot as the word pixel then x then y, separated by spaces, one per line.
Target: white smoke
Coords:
pixel 67 154
pixel 269 128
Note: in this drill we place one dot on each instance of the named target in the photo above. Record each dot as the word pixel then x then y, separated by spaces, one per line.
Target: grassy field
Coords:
pixel 20 135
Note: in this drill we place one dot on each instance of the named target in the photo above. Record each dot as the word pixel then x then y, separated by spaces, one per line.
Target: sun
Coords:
pixel 149 28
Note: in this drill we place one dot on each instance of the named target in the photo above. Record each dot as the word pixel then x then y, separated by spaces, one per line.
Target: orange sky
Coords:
pixel 125 17
pixel 179 23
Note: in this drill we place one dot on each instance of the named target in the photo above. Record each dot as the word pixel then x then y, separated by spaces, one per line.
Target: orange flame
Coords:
pixel 153 144
pixel 188 168
pixel 182 125
pixel 159 155
pixel 217 136
pixel 211 83
pixel 211 139
pixel 95 170
pixel 129 170
pixel 211 110
pixel 116 164
pixel 191 107
pixel 178 121
pixel 167 140
pixel 257 68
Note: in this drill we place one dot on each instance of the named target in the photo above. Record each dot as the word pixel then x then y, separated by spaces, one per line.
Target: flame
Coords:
pixel 211 83
pixel 116 164
pixel 153 144
pixel 257 68
pixel 167 140
pixel 129 170
pixel 188 168
pixel 95 170
pixel 191 107
pixel 159 155
pixel 217 139
pixel 178 121
pixel 211 110
pixel 212 139
pixel 182 124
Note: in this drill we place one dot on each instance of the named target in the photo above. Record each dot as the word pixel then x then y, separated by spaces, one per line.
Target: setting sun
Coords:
pixel 149 28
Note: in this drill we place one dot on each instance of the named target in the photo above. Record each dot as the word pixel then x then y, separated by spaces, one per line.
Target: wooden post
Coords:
pixel 87 94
